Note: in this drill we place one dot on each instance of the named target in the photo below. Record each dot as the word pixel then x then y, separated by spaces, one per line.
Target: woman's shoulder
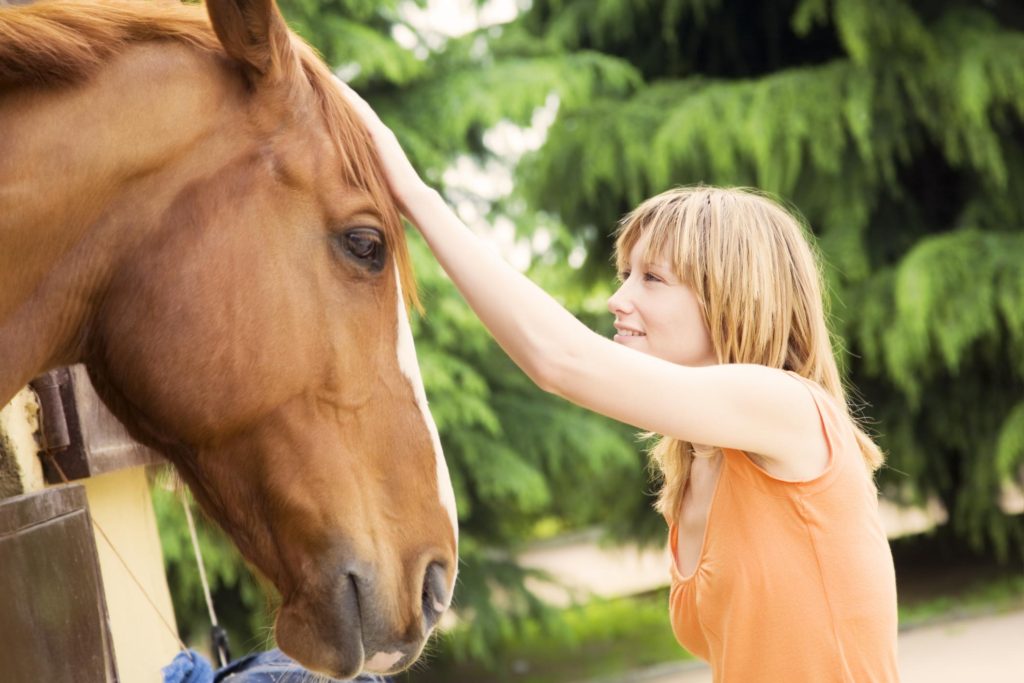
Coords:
pixel 832 410
pixel 822 447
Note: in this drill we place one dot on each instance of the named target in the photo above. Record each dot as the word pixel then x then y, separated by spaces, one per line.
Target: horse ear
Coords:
pixel 254 33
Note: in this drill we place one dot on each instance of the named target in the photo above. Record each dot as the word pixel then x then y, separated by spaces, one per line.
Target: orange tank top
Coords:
pixel 795 581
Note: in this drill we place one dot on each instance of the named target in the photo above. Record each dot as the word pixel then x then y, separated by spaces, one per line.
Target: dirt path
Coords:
pixel 988 649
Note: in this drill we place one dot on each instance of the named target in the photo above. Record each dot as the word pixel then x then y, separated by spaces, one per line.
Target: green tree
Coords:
pixel 355 35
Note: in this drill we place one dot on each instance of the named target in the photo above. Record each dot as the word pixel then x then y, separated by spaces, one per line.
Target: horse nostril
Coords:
pixel 352 600
pixel 434 593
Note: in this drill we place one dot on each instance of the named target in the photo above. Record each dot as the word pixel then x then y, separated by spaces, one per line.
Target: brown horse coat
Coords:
pixel 198 217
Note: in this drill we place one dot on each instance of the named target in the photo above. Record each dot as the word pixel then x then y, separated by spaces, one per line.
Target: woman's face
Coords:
pixel 657 314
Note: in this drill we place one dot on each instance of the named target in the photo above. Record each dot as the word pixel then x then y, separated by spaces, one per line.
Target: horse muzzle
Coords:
pixel 349 629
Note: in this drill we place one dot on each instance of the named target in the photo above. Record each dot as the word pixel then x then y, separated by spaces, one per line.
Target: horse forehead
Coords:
pixel 302 158
pixel 315 164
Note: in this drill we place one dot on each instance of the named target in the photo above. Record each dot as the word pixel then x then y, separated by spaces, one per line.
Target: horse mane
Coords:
pixel 59 44
pixel 63 43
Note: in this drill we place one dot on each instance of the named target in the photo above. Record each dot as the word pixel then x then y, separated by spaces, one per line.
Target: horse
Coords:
pixel 189 207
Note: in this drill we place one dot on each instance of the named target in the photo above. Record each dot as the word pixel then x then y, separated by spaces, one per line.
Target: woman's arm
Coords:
pixel 747 407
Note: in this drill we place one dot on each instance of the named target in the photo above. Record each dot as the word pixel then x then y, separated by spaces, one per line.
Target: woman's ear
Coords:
pixel 254 34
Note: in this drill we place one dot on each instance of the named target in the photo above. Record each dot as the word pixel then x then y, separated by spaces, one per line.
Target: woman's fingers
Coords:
pixel 366 113
pixel 362 107
pixel 402 177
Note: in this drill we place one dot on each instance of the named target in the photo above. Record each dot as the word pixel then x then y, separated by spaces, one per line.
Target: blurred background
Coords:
pixel 896 127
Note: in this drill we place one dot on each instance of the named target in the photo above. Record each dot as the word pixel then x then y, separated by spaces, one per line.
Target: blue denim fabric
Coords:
pixel 272 666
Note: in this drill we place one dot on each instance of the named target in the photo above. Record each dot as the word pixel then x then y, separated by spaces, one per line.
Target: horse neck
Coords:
pixel 84 173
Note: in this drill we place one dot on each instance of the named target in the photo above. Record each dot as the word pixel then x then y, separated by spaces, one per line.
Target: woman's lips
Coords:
pixel 625 336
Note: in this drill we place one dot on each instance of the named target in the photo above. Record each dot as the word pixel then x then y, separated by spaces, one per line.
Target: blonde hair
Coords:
pixel 757 280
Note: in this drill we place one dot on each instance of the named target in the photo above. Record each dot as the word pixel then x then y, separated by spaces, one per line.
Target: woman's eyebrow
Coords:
pixel 658 265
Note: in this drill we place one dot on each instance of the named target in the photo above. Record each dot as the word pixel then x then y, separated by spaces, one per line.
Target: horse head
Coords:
pixel 231 273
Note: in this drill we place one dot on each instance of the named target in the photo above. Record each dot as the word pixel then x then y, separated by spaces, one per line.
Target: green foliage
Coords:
pixel 949 293
pixel 1009 454
pixel 354 32
pixel 444 113
pixel 241 604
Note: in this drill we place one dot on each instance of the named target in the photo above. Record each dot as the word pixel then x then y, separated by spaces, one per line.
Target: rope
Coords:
pixel 218 636
pixel 199 561
pixel 142 588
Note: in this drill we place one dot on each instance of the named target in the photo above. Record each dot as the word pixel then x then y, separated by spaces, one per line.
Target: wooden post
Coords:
pixel 70 431
pixel 53 616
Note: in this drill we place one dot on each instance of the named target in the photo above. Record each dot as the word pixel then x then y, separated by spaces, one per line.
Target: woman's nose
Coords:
pixel 619 301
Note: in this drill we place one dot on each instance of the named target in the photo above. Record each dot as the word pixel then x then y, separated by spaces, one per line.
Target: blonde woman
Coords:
pixel 782 572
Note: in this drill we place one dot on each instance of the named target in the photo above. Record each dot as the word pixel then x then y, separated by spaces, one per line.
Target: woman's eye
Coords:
pixel 365 245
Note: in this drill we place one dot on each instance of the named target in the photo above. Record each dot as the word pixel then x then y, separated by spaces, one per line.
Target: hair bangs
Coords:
pixel 669 229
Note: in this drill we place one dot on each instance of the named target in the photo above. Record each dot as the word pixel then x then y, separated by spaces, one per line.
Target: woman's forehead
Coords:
pixel 647 252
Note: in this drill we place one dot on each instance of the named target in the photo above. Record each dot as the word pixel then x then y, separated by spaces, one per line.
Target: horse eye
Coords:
pixel 365 245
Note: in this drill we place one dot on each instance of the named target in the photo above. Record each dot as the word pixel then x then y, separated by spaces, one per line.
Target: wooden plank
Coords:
pixel 82 436
pixel 21 512
pixel 53 615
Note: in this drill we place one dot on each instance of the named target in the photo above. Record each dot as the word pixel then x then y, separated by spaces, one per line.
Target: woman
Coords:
pixel 782 572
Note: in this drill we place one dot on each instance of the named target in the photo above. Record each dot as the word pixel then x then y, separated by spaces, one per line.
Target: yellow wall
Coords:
pixel 121 504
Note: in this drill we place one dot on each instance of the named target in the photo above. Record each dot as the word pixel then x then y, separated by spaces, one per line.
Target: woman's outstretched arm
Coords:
pixel 748 407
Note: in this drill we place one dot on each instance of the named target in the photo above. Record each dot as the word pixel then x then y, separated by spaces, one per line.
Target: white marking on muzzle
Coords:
pixel 382 661
pixel 411 369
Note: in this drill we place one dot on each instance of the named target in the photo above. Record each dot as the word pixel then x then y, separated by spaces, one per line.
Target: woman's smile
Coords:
pixel 624 334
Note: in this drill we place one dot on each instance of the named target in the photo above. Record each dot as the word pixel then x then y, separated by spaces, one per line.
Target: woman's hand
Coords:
pixel 402 178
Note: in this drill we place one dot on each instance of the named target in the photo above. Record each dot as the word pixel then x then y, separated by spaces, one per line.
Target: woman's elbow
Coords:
pixel 541 374
pixel 551 374
pixel 555 365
